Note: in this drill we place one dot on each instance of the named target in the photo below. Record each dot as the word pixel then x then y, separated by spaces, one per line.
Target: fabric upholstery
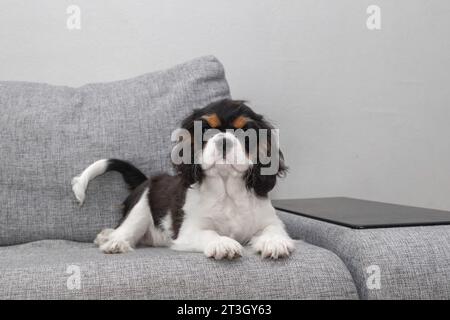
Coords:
pixel 50 133
pixel 413 262
pixel 41 270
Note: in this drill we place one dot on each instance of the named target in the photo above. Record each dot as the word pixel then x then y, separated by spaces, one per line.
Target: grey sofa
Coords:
pixel 411 262
pixel 49 133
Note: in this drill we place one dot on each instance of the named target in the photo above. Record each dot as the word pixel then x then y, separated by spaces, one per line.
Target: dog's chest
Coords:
pixel 234 217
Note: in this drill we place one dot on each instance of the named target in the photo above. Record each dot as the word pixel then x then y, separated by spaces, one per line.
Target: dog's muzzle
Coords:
pixel 224 145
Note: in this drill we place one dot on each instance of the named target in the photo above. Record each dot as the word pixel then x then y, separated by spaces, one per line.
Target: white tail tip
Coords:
pixel 80 183
pixel 79 189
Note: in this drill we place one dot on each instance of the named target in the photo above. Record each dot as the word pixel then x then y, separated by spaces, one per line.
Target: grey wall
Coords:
pixel 361 113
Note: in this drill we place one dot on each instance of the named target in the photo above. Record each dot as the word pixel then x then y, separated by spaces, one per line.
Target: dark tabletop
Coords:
pixel 360 214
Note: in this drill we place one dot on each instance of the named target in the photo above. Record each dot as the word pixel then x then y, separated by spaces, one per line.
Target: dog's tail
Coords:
pixel 132 175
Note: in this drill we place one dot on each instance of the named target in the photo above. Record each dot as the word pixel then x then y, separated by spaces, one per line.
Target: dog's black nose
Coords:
pixel 224 144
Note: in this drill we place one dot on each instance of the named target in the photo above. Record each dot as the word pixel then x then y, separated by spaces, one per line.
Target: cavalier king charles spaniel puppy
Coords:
pixel 217 200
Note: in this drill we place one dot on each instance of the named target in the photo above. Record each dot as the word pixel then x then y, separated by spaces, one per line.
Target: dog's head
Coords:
pixel 227 138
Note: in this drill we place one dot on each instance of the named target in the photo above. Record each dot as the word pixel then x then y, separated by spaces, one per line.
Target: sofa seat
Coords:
pixel 59 269
pixel 410 262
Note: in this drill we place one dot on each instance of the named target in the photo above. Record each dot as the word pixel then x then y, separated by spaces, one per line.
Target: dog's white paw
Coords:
pixel 223 247
pixel 79 186
pixel 103 236
pixel 274 247
pixel 116 246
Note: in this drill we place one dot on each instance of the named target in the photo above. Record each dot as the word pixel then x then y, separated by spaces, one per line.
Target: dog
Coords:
pixel 213 204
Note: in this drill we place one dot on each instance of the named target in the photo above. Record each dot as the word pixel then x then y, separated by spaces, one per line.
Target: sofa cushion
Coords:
pixel 58 269
pixel 51 133
pixel 389 263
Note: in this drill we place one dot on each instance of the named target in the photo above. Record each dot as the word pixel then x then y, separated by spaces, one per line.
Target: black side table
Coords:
pixel 362 214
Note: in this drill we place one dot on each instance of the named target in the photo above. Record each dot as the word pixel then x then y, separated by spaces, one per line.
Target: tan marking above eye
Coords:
pixel 213 120
pixel 240 122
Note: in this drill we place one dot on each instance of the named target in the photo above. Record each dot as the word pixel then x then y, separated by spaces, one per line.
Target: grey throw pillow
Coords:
pixel 49 134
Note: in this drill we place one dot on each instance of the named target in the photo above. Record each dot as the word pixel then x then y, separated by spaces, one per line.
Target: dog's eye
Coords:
pixel 205 126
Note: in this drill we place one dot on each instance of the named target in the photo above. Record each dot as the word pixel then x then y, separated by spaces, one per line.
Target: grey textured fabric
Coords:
pixel 413 262
pixel 51 133
pixel 41 270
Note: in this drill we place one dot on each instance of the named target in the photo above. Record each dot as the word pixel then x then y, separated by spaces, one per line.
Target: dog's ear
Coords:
pixel 259 177
pixel 189 172
pixel 262 183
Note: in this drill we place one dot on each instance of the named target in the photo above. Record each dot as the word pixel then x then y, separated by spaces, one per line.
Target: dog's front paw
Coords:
pixel 103 236
pixel 116 246
pixel 223 247
pixel 274 247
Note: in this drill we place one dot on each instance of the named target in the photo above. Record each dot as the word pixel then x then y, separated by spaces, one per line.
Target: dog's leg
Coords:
pixel 159 237
pixel 103 236
pixel 132 229
pixel 209 242
pixel 273 241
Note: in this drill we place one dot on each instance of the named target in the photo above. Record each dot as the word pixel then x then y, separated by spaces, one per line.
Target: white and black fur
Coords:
pixel 213 207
